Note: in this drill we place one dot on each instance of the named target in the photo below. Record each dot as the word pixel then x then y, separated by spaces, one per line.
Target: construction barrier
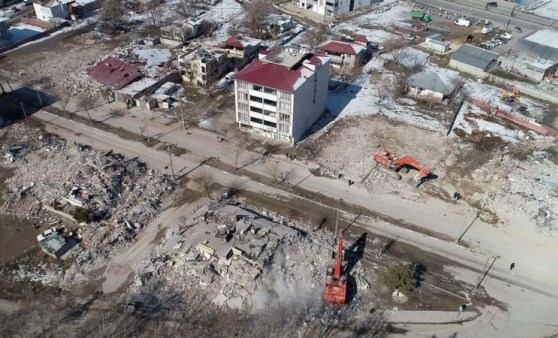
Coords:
pixel 534 126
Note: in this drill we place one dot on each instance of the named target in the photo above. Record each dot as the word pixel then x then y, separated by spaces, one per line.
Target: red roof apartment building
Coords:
pixel 282 94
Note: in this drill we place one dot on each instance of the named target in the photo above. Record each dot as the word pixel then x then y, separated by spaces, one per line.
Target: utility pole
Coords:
pixel 145 124
pixel 40 99
pixel 24 113
pixel 182 112
pixel 170 159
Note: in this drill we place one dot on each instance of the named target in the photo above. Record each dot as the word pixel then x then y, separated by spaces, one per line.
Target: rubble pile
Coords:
pixel 526 189
pixel 242 259
pixel 116 196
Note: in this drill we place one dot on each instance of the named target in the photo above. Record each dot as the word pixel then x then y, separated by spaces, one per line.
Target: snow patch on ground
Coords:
pixel 550 10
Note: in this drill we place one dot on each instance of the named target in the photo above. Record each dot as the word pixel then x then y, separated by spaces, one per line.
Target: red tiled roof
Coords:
pixel 339 47
pixel 360 38
pixel 276 76
pixel 233 41
pixel 238 42
pixel 114 72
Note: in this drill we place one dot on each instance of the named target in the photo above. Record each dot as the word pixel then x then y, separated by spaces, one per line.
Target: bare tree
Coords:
pixel 257 12
pixel 349 74
pixel 87 103
pixel 380 84
pixel 396 48
pixel 156 16
pixel 206 181
pixel 65 100
pixel 191 71
pixel 112 11
pixel 186 8
pixel 315 37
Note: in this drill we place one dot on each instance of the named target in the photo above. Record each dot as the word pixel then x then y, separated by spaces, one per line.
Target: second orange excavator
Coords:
pixel 391 161
pixel 336 281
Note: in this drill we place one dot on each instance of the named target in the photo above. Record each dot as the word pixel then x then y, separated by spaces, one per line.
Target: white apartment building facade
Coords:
pixel 335 7
pixel 282 94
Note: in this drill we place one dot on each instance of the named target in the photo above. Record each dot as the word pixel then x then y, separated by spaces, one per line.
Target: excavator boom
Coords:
pixel 336 283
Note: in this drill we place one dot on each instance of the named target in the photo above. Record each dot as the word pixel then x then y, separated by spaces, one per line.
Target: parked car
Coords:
pixel 410 37
pixel 492 4
pixel 462 22
pixel 487 29
pixel 47 233
pixel 506 35
pixel 518 29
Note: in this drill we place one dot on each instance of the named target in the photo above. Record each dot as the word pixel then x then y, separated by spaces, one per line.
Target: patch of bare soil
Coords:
pixel 347 148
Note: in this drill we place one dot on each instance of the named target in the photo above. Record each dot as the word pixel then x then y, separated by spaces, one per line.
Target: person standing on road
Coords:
pixel 512 265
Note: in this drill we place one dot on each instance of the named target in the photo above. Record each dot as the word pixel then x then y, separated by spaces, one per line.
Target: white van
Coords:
pixel 462 22
pixel 487 29
pixel 230 77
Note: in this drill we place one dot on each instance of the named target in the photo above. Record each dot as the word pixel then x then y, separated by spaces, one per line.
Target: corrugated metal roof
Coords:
pixel 114 72
pixel 542 44
pixel 430 80
pixel 474 56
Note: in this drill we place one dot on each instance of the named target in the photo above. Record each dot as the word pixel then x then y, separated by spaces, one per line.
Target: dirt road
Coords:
pixel 535 276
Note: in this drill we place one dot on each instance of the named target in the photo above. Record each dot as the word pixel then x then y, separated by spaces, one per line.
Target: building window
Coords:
pixel 269 113
pixel 283 128
pixel 243 106
pixel 203 69
pixel 258 88
pixel 243 96
pixel 256 120
pixel 243 117
pixel 284 106
pixel 256 99
pixel 270 102
pixel 270 124
pixel 242 85
pixel 270 91
pixel 286 96
pixel 256 110
pixel 284 118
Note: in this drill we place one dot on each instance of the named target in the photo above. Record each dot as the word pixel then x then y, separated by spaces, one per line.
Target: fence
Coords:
pixel 515 119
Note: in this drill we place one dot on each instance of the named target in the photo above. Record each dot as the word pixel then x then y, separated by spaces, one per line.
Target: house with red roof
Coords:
pixel 347 52
pixel 282 94
pixel 241 49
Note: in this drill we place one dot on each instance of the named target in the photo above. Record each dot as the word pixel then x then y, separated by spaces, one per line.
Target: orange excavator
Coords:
pixel 390 161
pixel 336 282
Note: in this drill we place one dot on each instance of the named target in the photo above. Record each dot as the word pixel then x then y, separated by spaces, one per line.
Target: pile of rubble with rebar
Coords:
pixel 108 196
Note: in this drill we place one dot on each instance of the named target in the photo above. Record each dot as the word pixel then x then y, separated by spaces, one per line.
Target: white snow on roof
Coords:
pixel 544 37
pixel 154 56
pixel 136 87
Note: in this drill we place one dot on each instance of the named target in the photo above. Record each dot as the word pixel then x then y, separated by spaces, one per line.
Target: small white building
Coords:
pixel 335 7
pixel 282 94
pixel 52 9
pixel 436 43
pixel 63 8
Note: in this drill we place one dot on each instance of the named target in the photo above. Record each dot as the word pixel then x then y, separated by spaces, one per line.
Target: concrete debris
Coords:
pixel 242 258
pixel 114 196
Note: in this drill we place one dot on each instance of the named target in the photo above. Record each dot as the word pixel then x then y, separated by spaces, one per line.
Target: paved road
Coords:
pixel 500 15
